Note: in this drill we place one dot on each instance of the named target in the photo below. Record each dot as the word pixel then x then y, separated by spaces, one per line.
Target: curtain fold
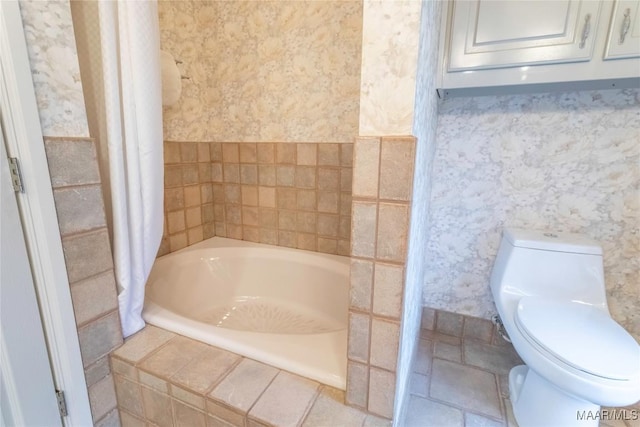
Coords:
pixel 119 52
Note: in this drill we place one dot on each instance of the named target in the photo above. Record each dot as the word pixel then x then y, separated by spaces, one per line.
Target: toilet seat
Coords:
pixel 580 335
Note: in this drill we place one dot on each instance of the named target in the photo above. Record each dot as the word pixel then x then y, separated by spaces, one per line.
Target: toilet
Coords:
pixel 550 294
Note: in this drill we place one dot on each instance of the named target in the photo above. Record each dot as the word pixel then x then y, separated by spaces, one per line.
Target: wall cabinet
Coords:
pixel 500 46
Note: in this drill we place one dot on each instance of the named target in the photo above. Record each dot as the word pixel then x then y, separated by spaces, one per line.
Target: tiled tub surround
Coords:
pixel 165 379
pixel 85 240
pixel 382 186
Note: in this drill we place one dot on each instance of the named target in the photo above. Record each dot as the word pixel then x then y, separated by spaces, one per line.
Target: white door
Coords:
pixel 27 391
pixel 624 31
pixel 489 34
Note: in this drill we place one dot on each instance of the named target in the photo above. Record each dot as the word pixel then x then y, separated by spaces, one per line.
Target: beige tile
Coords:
pixel 385 339
pixel 208 230
pixel 328 179
pixel 285 401
pixel 241 387
pixel 306 241
pixel 194 216
pixel 204 153
pixel 192 196
pixel 129 396
pixel 215 151
pixel 97 371
pixel 437 336
pixel 363 230
pixel 329 154
pixel 249 195
pixel 173 356
pixel 357 384
pixel 220 411
pixel 345 204
pixel 142 343
pixel 374 421
pixel 266 152
pixel 153 382
pixel 419 385
pixel 178 241
pixel 72 162
pixel 346 154
pixel 249 174
pixel 287 220
pixel 328 225
pixel 99 337
pixel 112 419
pixel 285 175
pixel 174 198
pixel 387 290
pixel 424 412
pixel 449 323
pixel 218 193
pixel 190 174
pixel 221 229
pixel 393 226
pixel 446 351
pixel 124 369
pixel 171 152
pixel 216 172
pixel 361 284
pixel 195 235
pixel 94 297
pixel 231 173
pixel 346 179
pixel 206 193
pixel 424 356
pixel 305 177
pixel 307 200
pixel 328 201
pixel 358 345
pixel 478 329
pixel 306 222
pixel 176 221
pixel 428 320
pixel 128 420
pixel 186 416
pixel 230 153
pixel 172 176
pixel 267 197
pixel 204 173
pixel 286 153
pixel 267 175
pixel 286 198
pixel 365 167
pixel 248 152
pixel 396 168
pixel 157 407
pixel 344 228
pixel 465 387
pixel 307 154
pixel 208 213
pixel 208 368
pixel 102 397
pixel 287 238
pixel 188 152
pixel 492 358
pixel 327 246
pixel 268 218
pixel 329 410
pixel 268 236
pixel 382 390
pixel 79 208
pixel 188 397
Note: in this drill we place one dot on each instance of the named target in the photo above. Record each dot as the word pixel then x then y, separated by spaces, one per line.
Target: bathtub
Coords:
pixel 283 307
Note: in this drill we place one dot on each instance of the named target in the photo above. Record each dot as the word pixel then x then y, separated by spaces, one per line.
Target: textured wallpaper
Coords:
pixel 563 161
pixel 390 41
pixel 54 65
pixel 286 71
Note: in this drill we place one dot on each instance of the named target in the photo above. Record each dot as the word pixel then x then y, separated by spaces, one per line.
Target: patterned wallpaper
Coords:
pixel 390 40
pixel 50 41
pixel 560 161
pixel 285 71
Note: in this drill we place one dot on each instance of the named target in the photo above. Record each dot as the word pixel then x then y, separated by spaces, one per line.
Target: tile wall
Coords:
pixel 382 189
pixel 85 240
pixel 288 194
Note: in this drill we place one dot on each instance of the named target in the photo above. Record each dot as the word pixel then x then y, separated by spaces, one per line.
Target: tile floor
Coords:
pixel 164 379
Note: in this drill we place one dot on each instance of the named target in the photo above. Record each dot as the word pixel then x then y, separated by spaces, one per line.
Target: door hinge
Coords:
pixel 62 403
pixel 16 175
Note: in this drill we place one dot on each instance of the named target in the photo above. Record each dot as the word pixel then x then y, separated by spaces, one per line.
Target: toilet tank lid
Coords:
pixel 552 241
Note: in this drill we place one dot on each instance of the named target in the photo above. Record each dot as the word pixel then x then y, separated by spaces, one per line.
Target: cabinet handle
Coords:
pixel 585 30
pixel 626 23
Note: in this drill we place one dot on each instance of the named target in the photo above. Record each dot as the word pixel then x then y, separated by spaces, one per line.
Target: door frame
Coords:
pixel 39 219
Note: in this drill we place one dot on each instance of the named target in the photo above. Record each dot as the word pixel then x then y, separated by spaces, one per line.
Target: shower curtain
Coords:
pixel 119 53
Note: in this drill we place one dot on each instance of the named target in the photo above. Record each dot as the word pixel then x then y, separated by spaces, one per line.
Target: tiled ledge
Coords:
pixel 165 379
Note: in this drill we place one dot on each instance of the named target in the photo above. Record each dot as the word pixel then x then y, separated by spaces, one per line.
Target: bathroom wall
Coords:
pixel 559 161
pixel 264 71
pixel 76 182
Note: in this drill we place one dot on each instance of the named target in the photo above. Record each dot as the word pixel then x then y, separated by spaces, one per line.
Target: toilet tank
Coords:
pixel 557 265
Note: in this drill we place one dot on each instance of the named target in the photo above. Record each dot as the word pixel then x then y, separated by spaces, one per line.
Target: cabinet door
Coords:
pixel 624 31
pixel 501 33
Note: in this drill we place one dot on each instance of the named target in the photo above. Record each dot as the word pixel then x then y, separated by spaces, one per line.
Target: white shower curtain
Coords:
pixel 119 52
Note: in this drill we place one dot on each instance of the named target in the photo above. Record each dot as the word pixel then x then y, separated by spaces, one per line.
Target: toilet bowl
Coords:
pixel 550 294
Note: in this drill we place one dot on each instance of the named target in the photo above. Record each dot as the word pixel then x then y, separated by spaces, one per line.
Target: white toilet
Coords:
pixel 550 294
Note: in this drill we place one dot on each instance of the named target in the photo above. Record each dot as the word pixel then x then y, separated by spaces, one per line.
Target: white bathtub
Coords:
pixel 284 307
